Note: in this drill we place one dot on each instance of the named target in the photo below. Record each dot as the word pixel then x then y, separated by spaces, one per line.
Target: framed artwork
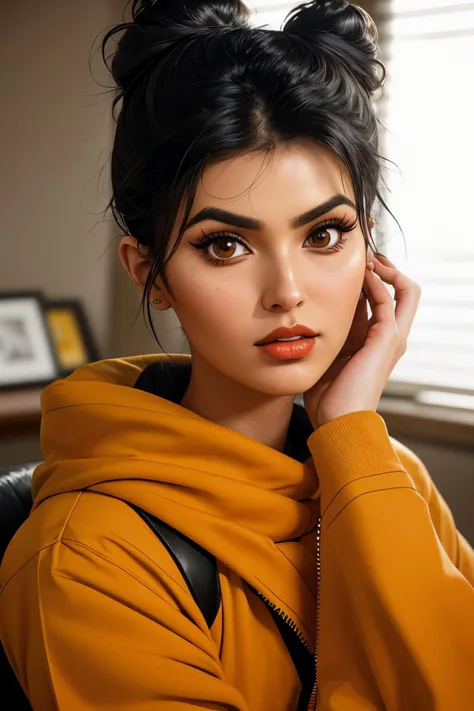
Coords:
pixel 27 355
pixel 71 335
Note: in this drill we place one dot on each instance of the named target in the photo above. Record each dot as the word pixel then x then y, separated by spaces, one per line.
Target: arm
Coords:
pixel 103 639
pixel 458 549
pixel 396 613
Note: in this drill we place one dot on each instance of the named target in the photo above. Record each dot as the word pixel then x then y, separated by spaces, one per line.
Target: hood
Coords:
pixel 116 427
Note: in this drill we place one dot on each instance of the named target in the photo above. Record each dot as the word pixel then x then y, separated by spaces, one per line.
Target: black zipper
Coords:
pixel 304 659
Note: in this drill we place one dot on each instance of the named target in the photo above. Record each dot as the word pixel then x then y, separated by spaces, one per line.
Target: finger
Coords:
pixel 371 319
pixel 379 298
pixel 407 295
pixel 368 293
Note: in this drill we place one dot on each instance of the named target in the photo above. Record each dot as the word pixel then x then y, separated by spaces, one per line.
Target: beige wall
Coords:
pixel 54 136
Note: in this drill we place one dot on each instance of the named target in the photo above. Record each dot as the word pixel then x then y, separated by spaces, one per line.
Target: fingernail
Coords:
pixel 371 266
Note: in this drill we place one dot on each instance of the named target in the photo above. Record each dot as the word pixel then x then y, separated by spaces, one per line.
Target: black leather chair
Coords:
pixel 15 506
pixel 198 567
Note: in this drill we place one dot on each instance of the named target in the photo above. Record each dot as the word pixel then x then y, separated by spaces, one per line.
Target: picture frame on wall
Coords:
pixel 71 335
pixel 27 354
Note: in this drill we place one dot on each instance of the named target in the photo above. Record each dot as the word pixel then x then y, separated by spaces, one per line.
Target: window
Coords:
pixel 427 111
pixel 270 12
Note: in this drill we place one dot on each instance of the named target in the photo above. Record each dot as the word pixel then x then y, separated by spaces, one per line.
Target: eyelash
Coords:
pixel 206 240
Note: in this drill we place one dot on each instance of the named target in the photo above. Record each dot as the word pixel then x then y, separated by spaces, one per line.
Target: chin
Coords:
pixel 286 378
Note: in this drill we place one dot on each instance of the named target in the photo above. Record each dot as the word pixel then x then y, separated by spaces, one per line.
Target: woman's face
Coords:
pixel 280 265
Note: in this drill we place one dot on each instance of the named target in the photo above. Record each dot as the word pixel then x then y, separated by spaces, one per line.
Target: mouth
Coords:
pixel 289 349
pixel 285 340
pixel 287 335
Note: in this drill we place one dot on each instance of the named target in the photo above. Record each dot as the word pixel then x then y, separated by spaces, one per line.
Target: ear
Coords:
pixel 137 262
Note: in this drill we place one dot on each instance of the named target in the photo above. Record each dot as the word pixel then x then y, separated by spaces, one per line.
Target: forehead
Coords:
pixel 290 179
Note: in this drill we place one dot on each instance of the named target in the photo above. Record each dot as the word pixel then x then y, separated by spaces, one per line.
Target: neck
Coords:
pixel 219 399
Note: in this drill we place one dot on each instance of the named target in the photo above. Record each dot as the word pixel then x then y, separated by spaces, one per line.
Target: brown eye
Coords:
pixel 325 237
pixel 223 248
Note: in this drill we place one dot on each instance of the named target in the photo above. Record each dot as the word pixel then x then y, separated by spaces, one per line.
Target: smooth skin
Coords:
pixel 282 274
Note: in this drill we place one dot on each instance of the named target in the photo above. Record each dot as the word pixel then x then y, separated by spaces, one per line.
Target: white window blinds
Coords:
pixel 428 113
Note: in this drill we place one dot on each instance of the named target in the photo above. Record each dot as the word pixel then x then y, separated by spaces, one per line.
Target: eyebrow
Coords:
pixel 250 223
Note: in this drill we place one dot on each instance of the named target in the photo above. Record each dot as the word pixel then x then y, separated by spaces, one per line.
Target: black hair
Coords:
pixel 198 83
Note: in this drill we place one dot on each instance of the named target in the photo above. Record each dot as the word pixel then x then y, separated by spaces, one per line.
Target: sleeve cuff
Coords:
pixel 349 448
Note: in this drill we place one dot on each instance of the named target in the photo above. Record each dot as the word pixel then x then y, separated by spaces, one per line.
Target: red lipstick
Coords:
pixel 301 345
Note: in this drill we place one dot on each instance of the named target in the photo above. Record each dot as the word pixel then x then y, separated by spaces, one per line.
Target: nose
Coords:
pixel 283 291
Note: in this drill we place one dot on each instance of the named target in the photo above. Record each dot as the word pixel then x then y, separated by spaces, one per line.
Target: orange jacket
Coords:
pixel 94 614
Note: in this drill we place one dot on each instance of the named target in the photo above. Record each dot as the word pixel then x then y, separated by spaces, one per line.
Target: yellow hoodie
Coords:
pixel 94 614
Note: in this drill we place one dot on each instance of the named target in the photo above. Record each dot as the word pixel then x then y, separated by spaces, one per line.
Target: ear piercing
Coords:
pixel 156 301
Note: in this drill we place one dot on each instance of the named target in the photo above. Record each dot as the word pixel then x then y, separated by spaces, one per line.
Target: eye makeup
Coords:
pixel 340 226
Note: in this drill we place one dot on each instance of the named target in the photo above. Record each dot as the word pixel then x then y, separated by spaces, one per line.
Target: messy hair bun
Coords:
pixel 347 31
pixel 197 83
pixel 159 25
pixel 205 14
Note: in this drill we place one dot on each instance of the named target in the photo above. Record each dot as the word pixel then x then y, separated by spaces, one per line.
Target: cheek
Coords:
pixel 212 308
pixel 344 276
pixel 338 289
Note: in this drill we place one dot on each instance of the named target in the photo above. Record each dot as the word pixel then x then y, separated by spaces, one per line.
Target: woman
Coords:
pixel 245 173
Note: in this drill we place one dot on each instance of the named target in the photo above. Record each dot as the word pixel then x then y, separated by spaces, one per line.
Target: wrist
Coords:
pixel 323 417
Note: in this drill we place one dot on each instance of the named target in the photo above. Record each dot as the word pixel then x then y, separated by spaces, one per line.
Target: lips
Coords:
pixel 297 330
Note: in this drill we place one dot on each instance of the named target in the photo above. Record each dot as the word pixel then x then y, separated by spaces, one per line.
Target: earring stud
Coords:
pixel 156 301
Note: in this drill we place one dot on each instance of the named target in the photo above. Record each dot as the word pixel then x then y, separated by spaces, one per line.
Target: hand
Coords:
pixel 356 379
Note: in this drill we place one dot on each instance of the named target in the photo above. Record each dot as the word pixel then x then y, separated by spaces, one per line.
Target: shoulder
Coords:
pixel 440 513
pixel 455 545
pixel 95 540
